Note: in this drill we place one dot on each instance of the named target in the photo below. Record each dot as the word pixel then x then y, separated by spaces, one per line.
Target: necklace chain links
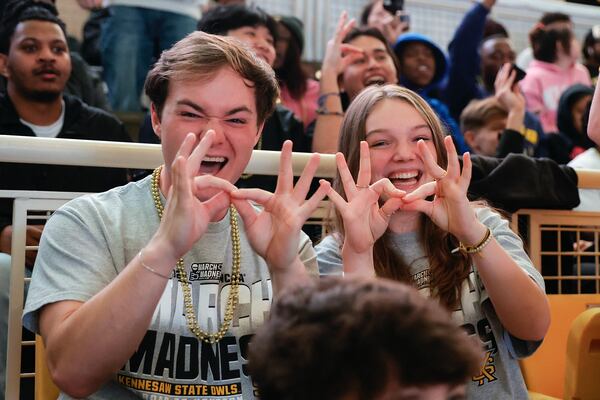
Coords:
pixel 232 297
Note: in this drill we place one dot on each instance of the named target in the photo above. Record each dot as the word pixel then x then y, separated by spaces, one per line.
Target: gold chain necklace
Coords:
pixel 234 292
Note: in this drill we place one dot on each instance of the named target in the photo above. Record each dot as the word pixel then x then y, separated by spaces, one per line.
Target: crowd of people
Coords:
pixel 196 280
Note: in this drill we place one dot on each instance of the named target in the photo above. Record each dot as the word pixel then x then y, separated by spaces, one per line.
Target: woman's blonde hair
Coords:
pixel 447 271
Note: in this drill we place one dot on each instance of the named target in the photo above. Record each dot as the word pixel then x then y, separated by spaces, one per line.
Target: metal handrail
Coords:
pixel 36 150
pixel 97 153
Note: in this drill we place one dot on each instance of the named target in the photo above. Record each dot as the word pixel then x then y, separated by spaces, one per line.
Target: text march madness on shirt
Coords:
pixel 171 363
pixel 208 272
pixel 187 358
pixel 210 299
pixel 166 356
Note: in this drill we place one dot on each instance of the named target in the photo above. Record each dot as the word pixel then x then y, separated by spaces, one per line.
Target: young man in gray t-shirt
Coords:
pixel 152 290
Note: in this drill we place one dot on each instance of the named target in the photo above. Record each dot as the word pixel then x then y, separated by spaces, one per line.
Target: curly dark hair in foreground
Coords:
pixel 335 337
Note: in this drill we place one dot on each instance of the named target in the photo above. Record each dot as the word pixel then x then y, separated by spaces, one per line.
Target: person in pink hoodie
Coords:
pixel 554 68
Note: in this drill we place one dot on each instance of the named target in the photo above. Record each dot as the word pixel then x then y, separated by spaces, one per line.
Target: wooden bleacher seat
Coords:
pixel 45 389
pixel 544 371
pixel 582 379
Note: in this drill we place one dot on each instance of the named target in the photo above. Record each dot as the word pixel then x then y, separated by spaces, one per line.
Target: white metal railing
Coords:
pixel 36 150
pixel 20 149
pixel 24 202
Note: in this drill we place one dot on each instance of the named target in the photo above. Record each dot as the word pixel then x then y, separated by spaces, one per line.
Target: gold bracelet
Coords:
pixel 476 248
pixel 149 268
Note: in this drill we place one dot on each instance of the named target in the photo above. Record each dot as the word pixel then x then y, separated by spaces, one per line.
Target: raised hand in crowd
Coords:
pixel 450 209
pixel 187 213
pixel 393 26
pixel 391 20
pixel 364 218
pixel 274 230
pixel 509 95
pixel 338 56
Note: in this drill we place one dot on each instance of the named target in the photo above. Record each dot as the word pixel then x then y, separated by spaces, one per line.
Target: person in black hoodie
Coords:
pixel 572 106
pixel 83 82
pixel 35 61
pixel 424 69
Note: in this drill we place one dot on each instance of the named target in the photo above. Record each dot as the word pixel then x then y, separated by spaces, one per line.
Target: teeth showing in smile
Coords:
pixel 405 175
pixel 212 165
pixel 375 80
pixel 213 159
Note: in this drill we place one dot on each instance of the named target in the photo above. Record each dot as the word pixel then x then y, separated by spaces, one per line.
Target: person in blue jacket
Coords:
pixel 468 77
pixel 474 62
pixel 424 69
